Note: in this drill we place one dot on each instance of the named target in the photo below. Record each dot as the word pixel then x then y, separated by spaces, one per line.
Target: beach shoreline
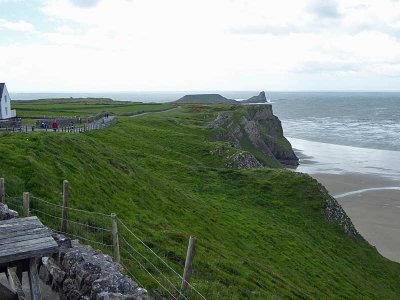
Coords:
pixel 370 198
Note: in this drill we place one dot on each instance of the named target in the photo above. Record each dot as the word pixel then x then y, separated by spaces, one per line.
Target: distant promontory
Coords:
pixel 218 99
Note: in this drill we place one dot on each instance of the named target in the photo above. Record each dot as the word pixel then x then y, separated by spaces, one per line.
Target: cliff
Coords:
pixel 218 99
pixel 205 99
pixel 254 128
pixel 260 98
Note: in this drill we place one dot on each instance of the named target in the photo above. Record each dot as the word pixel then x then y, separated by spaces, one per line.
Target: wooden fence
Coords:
pixel 67 129
pixel 106 234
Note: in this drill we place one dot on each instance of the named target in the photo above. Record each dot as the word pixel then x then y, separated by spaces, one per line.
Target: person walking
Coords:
pixel 54 126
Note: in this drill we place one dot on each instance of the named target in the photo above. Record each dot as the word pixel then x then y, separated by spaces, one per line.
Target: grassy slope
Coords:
pixel 81 107
pixel 261 232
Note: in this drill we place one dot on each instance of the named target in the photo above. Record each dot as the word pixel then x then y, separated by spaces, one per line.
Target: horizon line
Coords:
pixel 202 90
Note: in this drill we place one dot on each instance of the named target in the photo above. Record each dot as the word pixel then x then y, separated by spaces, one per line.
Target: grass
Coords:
pixel 261 233
pixel 82 107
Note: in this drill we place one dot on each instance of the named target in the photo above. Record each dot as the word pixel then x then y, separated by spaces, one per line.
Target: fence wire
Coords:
pixel 140 262
pixel 135 250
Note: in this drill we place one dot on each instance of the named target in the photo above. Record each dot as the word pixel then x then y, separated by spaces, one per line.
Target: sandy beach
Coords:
pixel 370 196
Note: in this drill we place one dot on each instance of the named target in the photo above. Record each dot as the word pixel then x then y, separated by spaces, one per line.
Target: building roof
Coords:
pixel 2 85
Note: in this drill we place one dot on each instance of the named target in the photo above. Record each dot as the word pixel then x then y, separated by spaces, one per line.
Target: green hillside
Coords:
pixel 70 107
pixel 261 233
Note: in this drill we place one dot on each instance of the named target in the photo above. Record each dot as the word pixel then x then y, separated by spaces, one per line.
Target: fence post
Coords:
pixel 2 191
pixel 25 198
pixel 115 237
pixel 64 217
pixel 187 272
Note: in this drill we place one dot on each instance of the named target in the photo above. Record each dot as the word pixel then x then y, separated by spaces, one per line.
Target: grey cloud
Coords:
pixel 386 68
pixel 373 24
pixel 325 9
pixel 85 3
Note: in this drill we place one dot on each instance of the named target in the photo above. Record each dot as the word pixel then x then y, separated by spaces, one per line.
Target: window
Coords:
pixel 6 111
pixel 5 98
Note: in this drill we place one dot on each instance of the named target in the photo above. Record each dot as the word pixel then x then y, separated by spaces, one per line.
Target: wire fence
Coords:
pixel 80 128
pixel 139 260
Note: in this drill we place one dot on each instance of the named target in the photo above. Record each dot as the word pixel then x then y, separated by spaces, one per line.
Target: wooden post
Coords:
pixel 15 283
pixel 2 191
pixel 64 217
pixel 187 272
pixel 34 280
pixel 25 198
pixel 115 237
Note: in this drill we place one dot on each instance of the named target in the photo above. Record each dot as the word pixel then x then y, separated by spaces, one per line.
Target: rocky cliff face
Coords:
pixel 335 213
pixel 255 129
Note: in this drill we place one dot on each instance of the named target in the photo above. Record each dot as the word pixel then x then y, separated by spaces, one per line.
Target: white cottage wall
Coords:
pixel 5 105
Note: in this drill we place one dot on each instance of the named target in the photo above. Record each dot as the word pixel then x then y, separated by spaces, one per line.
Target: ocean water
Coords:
pixel 359 119
pixel 326 158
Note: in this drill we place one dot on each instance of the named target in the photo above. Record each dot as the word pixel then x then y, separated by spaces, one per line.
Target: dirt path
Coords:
pixel 154 112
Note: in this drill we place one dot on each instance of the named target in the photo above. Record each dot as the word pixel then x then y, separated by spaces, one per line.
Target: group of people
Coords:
pixel 54 125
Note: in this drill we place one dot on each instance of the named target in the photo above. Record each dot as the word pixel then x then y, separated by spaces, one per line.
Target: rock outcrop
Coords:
pixel 218 99
pixel 335 213
pixel 260 98
pixel 255 129
pixel 237 159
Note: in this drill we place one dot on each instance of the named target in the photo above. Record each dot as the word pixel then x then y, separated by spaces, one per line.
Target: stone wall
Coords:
pixel 6 213
pixel 81 272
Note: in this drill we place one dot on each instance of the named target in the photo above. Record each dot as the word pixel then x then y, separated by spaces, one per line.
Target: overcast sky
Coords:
pixel 133 45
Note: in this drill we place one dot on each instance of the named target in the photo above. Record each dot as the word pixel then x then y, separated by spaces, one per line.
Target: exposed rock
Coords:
pixel 335 213
pixel 220 120
pixel 260 98
pixel 218 99
pixel 6 213
pixel 255 129
pixel 243 160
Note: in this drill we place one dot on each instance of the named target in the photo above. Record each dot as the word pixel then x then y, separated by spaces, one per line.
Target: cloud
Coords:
pixel 22 26
pixel 85 3
pixel 267 29
pixel 208 44
pixel 320 67
pixel 325 9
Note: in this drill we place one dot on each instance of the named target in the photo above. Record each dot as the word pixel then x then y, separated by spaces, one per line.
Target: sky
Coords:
pixel 183 45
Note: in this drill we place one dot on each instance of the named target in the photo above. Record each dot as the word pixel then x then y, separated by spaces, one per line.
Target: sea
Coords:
pixel 359 131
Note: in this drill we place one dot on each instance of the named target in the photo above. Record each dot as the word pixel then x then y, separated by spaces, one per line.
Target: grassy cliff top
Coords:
pixel 261 233
pixel 70 107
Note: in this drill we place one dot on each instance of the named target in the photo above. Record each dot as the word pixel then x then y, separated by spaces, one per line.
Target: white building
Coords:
pixel 5 103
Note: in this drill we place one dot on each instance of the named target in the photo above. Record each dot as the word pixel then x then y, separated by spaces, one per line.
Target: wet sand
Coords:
pixel 370 195
pixel 375 214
